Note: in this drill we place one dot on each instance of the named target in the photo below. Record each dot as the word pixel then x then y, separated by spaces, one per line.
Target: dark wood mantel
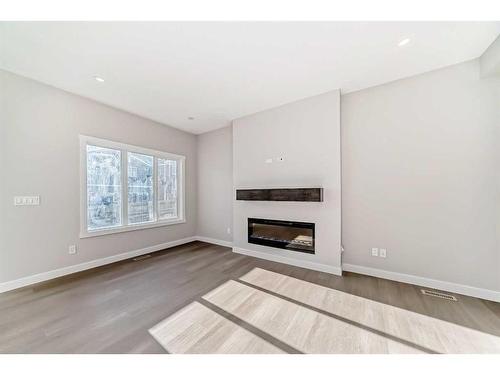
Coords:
pixel 290 195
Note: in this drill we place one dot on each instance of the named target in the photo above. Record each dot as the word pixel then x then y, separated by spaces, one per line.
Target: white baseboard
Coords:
pixel 29 280
pixel 293 262
pixel 215 241
pixel 422 281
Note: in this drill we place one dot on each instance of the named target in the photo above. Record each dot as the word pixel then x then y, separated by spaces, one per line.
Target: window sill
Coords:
pixel 131 227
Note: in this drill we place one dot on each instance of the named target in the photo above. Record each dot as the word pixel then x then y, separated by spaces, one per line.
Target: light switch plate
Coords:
pixel 374 252
pixel 33 200
pixel 382 253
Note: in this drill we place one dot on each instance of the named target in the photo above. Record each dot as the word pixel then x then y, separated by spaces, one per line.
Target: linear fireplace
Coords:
pixel 289 235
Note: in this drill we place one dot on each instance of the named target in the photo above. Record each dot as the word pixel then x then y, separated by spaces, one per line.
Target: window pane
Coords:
pixel 140 188
pixel 167 189
pixel 103 188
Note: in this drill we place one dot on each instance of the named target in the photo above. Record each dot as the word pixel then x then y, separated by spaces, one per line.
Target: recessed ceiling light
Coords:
pixel 99 79
pixel 404 42
pixel 190 118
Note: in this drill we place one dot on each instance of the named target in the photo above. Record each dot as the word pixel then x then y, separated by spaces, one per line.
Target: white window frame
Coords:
pixel 125 148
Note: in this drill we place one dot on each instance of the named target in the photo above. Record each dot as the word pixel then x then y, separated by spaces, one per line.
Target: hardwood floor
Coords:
pixel 110 309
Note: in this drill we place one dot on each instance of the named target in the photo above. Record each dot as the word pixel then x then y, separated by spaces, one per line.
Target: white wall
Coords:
pixel 215 184
pixel 39 155
pixel 420 161
pixel 490 60
pixel 307 134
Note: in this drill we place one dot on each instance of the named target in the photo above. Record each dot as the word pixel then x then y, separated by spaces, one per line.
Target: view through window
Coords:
pixel 140 188
pixel 167 189
pixel 103 187
pixel 146 182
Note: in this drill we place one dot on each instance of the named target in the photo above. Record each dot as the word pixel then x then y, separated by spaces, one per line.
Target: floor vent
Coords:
pixel 442 295
pixel 142 257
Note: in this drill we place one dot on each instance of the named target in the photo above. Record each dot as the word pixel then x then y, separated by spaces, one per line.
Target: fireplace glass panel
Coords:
pixel 290 235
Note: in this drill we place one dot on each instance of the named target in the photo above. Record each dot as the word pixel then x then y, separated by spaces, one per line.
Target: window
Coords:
pixel 103 188
pixel 167 189
pixel 125 187
pixel 140 188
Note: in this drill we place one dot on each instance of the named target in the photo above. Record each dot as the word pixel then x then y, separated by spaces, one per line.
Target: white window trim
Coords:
pixel 124 148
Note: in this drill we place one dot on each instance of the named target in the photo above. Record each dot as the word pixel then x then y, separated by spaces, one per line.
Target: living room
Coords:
pixel 209 187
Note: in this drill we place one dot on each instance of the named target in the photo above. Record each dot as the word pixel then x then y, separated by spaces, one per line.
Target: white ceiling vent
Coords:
pixel 443 295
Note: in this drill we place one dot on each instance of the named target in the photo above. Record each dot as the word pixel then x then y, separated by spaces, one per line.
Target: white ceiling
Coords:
pixel 218 71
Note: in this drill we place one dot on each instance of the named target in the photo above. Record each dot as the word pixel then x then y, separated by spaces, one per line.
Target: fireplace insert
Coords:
pixel 289 235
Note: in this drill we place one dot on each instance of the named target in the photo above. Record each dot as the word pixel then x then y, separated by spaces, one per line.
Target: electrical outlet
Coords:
pixel 228 230
pixel 72 249
pixel 374 252
pixel 383 253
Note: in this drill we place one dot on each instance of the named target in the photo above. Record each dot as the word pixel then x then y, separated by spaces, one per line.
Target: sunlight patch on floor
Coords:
pixel 300 327
pixel 197 329
pixel 434 334
pixel 273 313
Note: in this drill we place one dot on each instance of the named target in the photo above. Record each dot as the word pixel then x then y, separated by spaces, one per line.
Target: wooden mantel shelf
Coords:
pixel 283 194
